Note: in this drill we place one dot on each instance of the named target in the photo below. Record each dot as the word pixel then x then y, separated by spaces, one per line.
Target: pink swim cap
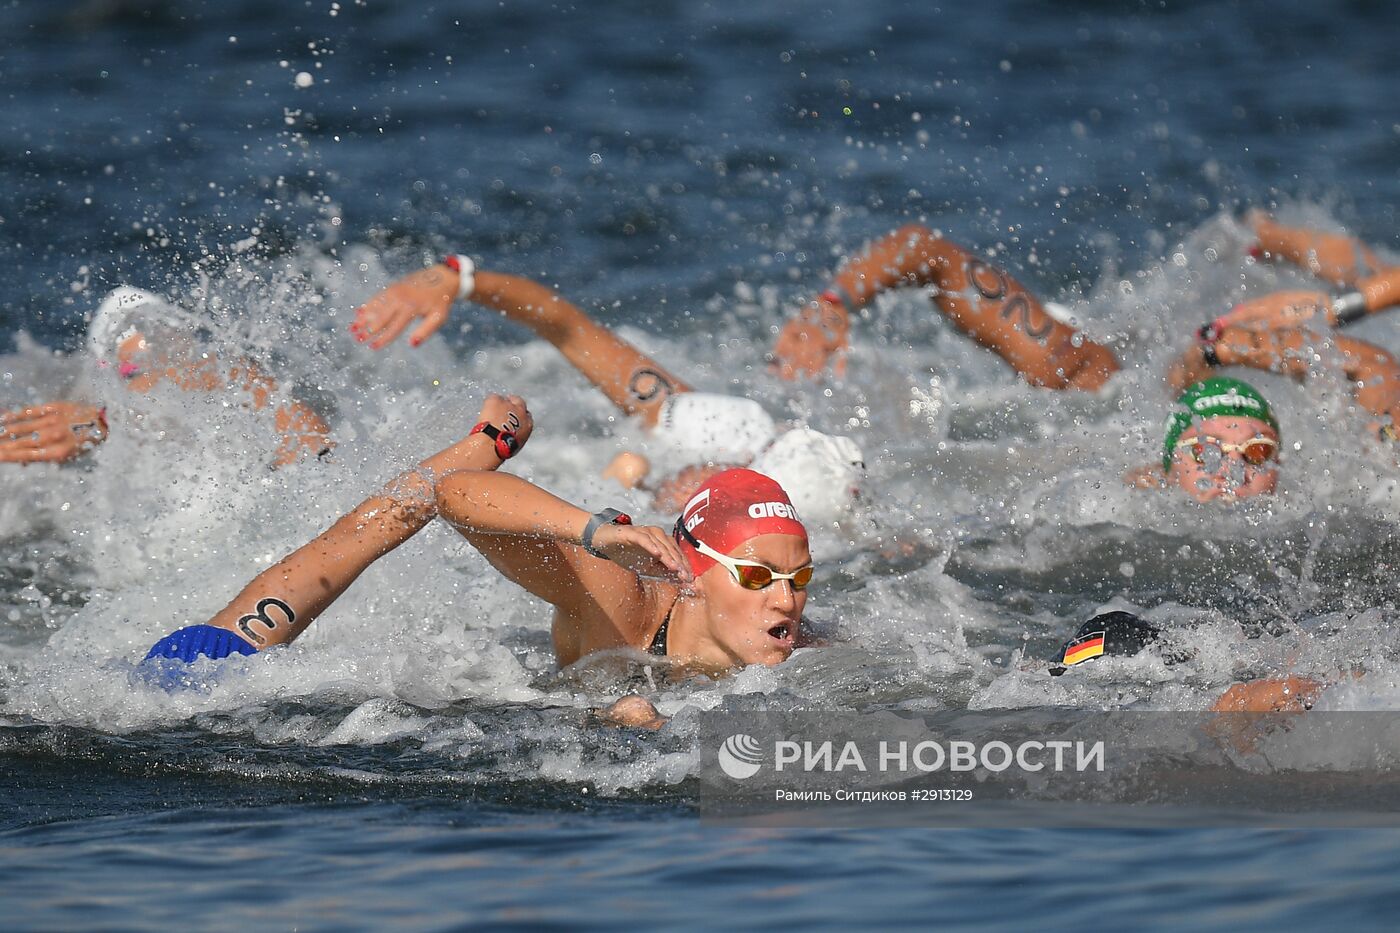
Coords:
pixel 730 508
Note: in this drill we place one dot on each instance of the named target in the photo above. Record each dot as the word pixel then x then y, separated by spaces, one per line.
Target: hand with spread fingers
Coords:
pixel 52 433
pixel 643 549
pixel 424 296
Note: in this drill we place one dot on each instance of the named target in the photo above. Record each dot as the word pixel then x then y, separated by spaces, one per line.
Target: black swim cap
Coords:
pixel 1117 634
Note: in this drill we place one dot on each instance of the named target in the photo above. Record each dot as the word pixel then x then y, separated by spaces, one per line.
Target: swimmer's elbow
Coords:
pixel 455 496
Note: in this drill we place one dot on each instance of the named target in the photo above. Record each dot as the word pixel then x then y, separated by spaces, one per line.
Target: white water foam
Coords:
pixel 980 489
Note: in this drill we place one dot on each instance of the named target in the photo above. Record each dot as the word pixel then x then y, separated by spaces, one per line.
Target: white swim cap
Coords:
pixel 820 472
pixel 116 319
pixel 719 428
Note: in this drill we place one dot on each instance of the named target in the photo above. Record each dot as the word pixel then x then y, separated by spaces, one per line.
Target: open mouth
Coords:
pixel 781 632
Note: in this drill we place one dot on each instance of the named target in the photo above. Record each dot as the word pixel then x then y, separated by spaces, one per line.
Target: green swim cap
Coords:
pixel 1218 396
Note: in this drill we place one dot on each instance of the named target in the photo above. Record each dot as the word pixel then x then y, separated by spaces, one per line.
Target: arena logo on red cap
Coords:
pixel 773 510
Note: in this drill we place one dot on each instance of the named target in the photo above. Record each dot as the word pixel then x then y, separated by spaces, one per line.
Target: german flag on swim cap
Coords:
pixel 1082 648
pixel 730 508
pixel 1116 634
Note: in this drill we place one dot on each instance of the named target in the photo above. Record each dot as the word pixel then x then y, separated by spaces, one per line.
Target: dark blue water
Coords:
pixel 652 158
pixel 663 150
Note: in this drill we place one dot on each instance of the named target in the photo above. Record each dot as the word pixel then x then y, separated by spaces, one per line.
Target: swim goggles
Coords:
pixel 749 574
pixel 1256 451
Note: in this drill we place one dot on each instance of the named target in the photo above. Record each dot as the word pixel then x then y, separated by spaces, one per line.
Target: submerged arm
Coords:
pixel 303 431
pixel 1291 694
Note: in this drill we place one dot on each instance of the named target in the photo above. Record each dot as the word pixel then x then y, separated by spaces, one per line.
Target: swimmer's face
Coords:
pixel 128 353
pixel 757 626
pixel 1223 474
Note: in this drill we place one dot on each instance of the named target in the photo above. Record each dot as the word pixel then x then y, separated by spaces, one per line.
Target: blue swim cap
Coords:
pixel 194 641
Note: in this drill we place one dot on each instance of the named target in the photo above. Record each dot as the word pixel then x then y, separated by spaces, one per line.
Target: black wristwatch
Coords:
pixel 599 519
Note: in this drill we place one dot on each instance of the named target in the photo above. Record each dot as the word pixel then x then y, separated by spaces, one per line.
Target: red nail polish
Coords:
pixel 414 342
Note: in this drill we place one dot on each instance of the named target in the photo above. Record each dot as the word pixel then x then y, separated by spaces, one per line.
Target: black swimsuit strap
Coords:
pixel 658 642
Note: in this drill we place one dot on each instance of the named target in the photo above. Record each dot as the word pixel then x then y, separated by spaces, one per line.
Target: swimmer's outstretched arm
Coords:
pixel 303 431
pixel 1374 373
pixel 1306 307
pixel 1339 259
pixel 633 381
pixel 55 432
pixel 283 600
pixel 1374 285
pixel 982 300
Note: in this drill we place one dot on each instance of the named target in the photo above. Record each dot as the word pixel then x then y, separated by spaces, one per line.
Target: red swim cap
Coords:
pixel 730 508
